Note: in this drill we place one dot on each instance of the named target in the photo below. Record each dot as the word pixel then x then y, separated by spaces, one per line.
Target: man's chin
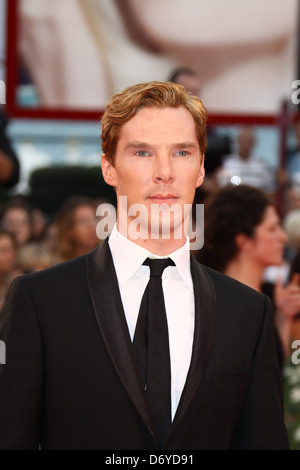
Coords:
pixel 166 230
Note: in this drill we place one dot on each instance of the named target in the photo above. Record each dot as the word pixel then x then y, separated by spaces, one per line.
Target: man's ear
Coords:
pixel 201 174
pixel 108 171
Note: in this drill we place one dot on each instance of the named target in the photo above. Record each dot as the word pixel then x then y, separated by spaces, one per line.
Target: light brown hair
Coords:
pixel 125 105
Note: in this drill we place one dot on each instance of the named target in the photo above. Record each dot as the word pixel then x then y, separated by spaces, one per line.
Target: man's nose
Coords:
pixel 163 169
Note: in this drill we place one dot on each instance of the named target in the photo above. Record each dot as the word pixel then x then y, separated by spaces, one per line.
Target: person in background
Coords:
pixel 243 167
pixel 291 225
pixel 17 219
pixel 76 228
pixel 293 154
pixel 50 238
pixel 242 238
pixel 188 78
pixel 8 253
pixel 39 223
pixel 295 268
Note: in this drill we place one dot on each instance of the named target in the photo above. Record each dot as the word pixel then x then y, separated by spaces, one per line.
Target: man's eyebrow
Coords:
pixel 184 145
pixel 139 144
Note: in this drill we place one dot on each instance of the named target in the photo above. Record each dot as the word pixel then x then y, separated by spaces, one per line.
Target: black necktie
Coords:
pixel 151 345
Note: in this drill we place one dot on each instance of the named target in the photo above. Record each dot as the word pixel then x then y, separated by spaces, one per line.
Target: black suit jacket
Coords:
pixel 70 380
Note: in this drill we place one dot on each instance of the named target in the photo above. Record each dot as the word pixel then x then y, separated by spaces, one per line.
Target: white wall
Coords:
pixel 2 37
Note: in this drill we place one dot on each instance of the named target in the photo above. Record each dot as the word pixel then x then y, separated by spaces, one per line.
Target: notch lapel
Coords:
pixel 205 311
pixel 108 308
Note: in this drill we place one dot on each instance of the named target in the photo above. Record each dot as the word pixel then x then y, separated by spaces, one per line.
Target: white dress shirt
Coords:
pixel 177 283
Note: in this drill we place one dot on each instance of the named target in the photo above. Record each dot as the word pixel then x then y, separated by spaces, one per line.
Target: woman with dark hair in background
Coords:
pixel 243 237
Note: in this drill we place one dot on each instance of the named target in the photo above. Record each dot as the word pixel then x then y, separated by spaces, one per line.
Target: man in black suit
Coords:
pixel 74 378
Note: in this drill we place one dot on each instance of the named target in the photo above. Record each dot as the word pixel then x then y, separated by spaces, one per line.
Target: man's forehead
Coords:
pixel 163 121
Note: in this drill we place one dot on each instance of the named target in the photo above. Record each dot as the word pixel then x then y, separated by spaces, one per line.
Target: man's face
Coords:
pixel 158 159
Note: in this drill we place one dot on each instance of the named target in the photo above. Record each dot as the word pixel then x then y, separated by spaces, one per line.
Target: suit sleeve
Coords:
pixel 261 426
pixel 21 376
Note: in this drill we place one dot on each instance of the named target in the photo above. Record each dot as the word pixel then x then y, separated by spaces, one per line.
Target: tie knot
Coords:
pixel 157 266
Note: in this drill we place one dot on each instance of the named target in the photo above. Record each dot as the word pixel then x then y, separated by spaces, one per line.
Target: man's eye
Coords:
pixel 142 153
pixel 181 153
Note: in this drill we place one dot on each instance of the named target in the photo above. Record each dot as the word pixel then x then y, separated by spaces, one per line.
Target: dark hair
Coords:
pixel 231 211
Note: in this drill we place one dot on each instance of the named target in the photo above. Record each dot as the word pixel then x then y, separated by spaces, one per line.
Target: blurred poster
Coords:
pixel 78 53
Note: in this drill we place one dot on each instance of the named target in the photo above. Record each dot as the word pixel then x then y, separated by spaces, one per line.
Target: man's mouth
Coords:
pixel 163 198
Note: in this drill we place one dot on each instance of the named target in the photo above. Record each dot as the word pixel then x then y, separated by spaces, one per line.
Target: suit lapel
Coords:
pixel 205 310
pixel 107 303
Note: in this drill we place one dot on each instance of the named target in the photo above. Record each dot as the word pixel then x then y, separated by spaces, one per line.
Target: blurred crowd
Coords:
pixel 29 241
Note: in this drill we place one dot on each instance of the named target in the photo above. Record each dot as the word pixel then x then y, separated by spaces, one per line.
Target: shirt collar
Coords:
pixel 128 258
